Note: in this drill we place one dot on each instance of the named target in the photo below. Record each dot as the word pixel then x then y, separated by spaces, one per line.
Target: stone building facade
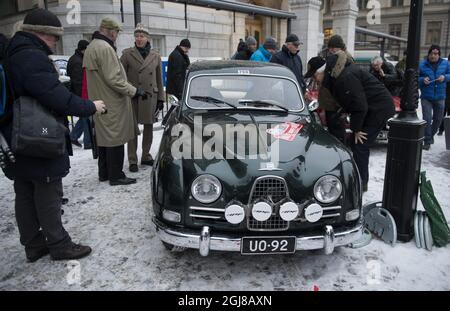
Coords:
pixel 215 33
pixel 394 20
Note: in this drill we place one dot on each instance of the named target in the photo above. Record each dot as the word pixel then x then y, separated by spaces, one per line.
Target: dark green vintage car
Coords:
pixel 243 166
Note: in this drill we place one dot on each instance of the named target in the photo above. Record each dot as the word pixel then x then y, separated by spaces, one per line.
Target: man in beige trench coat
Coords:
pixel 143 68
pixel 106 79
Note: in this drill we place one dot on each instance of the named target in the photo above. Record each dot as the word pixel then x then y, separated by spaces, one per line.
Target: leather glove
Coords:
pixel 5 153
pixel 160 105
pixel 141 94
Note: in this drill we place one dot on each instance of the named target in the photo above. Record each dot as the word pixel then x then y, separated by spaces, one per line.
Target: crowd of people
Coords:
pixel 117 94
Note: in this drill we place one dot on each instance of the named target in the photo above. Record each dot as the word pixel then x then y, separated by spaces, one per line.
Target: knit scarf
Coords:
pixel 144 50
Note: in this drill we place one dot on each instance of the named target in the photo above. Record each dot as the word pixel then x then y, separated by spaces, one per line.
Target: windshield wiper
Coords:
pixel 212 100
pixel 263 102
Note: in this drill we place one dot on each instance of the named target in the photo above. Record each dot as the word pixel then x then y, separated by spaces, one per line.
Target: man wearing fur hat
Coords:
pixel 106 79
pixel 143 69
pixel 38 180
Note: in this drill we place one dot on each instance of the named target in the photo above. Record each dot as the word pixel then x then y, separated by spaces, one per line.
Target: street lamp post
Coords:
pixel 406 132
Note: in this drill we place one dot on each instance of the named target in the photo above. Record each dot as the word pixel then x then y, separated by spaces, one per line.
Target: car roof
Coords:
pixel 238 67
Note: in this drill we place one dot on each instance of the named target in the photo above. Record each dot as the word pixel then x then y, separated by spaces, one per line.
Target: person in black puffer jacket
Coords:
pixel 38 181
pixel 245 49
pixel 75 72
pixel 369 104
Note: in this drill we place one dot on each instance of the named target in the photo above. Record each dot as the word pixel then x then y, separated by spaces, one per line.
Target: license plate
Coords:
pixel 267 245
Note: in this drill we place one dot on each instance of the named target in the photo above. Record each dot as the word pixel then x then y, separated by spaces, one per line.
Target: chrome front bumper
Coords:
pixel 204 241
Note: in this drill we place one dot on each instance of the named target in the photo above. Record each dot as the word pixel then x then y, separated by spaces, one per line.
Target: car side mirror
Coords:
pixel 312 106
pixel 173 101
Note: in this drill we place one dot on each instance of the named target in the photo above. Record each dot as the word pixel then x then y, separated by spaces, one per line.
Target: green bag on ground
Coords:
pixel 439 225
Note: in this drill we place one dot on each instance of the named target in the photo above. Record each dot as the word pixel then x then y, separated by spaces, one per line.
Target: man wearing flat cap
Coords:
pixel 106 79
pixel 289 56
pixel 143 69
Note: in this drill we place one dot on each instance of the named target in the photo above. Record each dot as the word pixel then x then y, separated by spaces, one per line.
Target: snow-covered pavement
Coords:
pixel 127 254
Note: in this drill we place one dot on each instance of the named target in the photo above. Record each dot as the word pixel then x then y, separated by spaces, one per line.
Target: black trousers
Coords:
pixel 361 152
pixel 446 113
pixel 110 162
pixel 335 125
pixel 38 214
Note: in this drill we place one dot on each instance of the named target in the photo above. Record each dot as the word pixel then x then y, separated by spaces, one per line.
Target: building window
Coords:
pixel 395 30
pixel 433 33
pixel 157 43
pixel 362 4
pixel 435 1
pixel 327 6
pixel 361 38
pixel 395 3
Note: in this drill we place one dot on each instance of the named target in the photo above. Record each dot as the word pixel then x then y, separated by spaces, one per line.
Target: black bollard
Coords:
pixel 406 133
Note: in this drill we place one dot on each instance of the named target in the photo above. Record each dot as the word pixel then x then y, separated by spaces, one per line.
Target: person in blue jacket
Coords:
pixel 264 52
pixel 434 73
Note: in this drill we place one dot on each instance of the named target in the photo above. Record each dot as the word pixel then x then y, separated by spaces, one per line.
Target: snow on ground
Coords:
pixel 127 254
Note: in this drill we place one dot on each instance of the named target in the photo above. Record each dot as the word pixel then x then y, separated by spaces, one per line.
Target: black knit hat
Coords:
pixel 434 47
pixel 293 38
pixel 43 21
pixel 270 44
pixel 314 64
pixel 336 41
pixel 82 45
pixel 185 43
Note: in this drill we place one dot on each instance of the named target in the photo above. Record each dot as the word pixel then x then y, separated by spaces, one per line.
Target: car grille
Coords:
pixel 273 189
pixel 206 213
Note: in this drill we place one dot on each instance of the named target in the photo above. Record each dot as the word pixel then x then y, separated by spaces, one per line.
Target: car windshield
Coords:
pixel 244 92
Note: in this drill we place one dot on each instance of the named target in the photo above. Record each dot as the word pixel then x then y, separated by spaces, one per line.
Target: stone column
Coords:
pixel 307 27
pixel 344 14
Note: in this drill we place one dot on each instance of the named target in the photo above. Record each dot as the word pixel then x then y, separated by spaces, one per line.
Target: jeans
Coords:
pixel 81 128
pixel 433 113
pixel 361 152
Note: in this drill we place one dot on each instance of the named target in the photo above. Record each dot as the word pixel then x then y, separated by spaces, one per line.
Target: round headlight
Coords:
pixel 206 189
pixel 327 189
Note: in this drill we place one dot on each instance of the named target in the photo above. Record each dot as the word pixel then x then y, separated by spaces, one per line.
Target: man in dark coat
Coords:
pixel 289 56
pixel 387 74
pixel 75 72
pixel 38 181
pixel 369 104
pixel 176 70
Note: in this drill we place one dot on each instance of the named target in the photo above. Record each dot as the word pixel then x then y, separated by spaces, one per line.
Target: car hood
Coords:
pixel 301 159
